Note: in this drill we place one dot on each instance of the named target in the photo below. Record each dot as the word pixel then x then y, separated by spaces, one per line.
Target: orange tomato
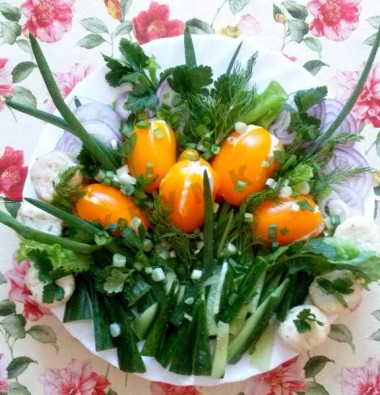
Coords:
pixel 154 153
pixel 182 191
pixel 288 220
pixel 106 205
pixel 244 163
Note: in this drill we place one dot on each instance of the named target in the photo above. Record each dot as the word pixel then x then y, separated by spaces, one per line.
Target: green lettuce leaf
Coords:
pixel 268 106
pixel 61 258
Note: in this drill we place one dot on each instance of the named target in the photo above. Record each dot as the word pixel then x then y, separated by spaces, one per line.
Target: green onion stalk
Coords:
pixel 69 121
pixel 45 238
pixel 351 100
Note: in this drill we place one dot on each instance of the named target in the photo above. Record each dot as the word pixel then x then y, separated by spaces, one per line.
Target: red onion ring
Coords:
pixel 96 111
pixel 165 94
pixel 98 129
pixel 119 106
pixel 349 157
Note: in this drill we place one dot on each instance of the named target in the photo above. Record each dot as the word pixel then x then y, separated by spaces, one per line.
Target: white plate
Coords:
pixel 214 51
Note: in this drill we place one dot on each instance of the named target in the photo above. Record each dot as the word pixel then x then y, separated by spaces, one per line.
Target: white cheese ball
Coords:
pixel 46 170
pixel 36 287
pixel 328 303
pixel 301 342
pixel 38 219
pixel 362 231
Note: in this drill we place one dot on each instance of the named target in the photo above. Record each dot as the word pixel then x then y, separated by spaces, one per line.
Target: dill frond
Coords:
pixel 66 190
pixel 164 229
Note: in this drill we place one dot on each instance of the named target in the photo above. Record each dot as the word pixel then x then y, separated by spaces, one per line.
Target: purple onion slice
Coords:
pixel 349 157
pixel 346 203
pixel 96 111
pixel 327 111
pixel 165 94
pixel 119 106
pixel 279 128
pixel 69 143
pixel 98 129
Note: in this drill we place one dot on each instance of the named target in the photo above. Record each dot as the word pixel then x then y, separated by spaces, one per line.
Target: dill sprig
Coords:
pixel 208 118
pixel 66 190
pixel 326 182
pixel 164 229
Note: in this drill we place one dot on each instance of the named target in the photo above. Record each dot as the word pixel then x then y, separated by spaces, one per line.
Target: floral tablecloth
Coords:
pixel 330 38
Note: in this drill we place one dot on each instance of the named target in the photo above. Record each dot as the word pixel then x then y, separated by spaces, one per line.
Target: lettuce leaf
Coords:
pixel 61 258
pixel 268 106
pixel 343 254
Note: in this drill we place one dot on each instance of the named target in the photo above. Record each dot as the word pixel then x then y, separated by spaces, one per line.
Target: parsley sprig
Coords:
pixel 304 319
pixel 137 68
pixel 337 288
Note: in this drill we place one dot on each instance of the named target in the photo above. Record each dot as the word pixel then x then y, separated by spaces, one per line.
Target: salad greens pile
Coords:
pixel 202 299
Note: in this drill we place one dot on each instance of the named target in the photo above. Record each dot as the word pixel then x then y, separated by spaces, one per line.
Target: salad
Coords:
pixel 194 213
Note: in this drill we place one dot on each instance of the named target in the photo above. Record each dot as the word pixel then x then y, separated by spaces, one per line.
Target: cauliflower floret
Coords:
pixel 46 170
pixel 36 287
pixel 329 303
pixel 362 231
pixel 305 341
pixel 37 219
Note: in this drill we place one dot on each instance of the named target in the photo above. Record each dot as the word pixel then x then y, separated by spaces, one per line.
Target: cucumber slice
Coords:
pixel 78 306
pixel 239 320
pixel 201 350
pixel 128 354
pixel 213 300
pixel 246 289
pixel 142 323
pixel 262 350
pixel 221 350
pixel 256 323
pixel 157 333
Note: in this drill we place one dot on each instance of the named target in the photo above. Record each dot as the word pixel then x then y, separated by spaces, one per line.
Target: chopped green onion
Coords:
pixel 335 220
pixel 284 231
pixel 265 164
pixel 240 186
pixel 248 218
pixel 160 115
pixel 149 167
pixel 119 260
pixel 147 245
pixel 143 124
pixel 215 149
pixel 166 95
pixel 279 156
pixel 158 274
pixel 272 231
pixel 102 238
pixel 305 205
pixel 158 133
pixel 275 244
pixel 142 116
pixel 115 329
